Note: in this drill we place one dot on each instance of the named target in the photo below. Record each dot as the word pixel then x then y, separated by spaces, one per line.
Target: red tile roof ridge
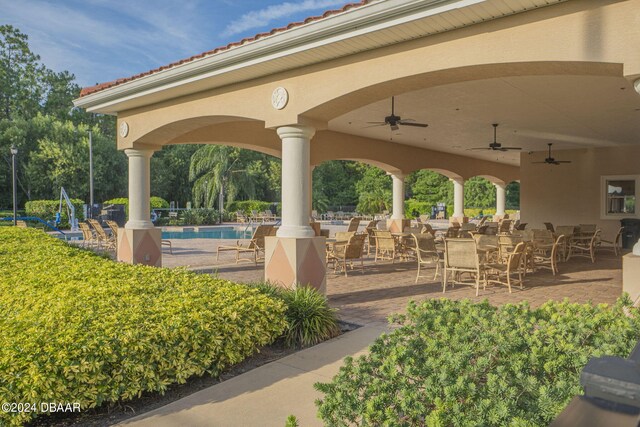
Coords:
pixel 102 86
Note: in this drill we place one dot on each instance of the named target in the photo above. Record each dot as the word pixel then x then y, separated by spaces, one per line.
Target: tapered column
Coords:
pixel 458 199
pixel 398 196
pixel 139 242
pixel 501 197
pixel 295 257
pixel 295 181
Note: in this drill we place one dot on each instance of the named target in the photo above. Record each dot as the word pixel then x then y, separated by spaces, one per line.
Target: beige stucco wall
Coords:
pixel 570 194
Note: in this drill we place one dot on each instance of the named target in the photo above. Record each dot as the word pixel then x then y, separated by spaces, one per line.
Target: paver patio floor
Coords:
pixel 386 288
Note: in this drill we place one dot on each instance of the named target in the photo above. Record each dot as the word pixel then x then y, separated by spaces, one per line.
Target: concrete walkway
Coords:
pixel 267 395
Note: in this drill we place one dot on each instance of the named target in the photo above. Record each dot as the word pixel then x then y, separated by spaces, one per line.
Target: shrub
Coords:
pixel 80 328
pixel 200 216
pixel 154 203
pixel 412 206
pixel 457 363
pixel 309 317
pixel 247 206
pixel 46 210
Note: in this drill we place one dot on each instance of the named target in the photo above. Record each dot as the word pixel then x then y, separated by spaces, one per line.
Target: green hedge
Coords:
pixel 46 210
pixel 80 328
pixel 247 206
pixel 155 202
pixel 457 363
pixel 200 216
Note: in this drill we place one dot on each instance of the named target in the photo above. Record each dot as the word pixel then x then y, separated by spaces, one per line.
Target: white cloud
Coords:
pixel 261 18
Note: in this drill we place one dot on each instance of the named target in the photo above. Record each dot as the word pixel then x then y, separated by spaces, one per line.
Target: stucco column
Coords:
pixel 397 222
pixel 458 199
pixel 398 196
pixel 295 256
pixel 501 197
pixel 295 181
pixel 139 242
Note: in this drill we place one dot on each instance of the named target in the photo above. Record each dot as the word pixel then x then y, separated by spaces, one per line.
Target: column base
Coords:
pixel 498 218
pixel 459 219
pixel 398 225
pixel 292 262
pixel 140 246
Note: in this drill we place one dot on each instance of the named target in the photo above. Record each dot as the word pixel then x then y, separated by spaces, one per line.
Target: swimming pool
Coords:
pixel 210 233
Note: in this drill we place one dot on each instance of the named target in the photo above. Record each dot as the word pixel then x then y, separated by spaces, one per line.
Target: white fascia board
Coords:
pixel 365 19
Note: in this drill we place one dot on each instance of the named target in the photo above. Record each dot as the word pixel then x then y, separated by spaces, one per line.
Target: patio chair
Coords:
pixel 350 251
pixel 568 232
pixel 426 253
pixel 500 273
pixel 241 217
pixel 482 221
pixel 504 226
pixel 547 256
pixel 492 228
pixel 451 233
pixel 255 245
pixel 461 256
pixel 521 226
pixel 88 237
pixel 584 248
pixel 109 242
pixel 385 245
pixel 353 224
pixel 440 215
pixel 549 227
pixel 506 245
pixel 611 244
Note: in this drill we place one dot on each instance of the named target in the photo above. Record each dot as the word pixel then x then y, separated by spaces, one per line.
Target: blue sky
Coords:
pixel 102 40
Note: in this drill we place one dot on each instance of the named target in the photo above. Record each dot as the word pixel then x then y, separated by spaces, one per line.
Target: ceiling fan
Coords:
pixel 394 121
pixel 495 146
pixel 550 160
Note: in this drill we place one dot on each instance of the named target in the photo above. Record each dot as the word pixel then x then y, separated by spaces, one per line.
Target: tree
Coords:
pixel 21 76
pixel 334 184
pixel 431 187
pixel 513 195
pixel 374 190
pixel 479 193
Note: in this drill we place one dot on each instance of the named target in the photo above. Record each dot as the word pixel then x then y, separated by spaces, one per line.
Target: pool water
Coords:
pixel 222 233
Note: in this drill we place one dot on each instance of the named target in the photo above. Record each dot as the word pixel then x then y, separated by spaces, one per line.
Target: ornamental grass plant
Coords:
pixel 80 328
pixel 310 319
pixel 456 363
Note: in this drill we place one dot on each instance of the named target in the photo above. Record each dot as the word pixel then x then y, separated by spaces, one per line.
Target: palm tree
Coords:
pixel 216 170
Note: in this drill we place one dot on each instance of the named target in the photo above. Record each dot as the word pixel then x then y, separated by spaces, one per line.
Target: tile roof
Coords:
pixel 97 88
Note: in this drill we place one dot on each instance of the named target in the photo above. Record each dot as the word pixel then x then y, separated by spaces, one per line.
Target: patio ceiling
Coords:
pixel 570 111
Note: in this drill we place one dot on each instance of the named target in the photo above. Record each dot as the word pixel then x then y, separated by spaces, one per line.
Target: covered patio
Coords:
pixel 560 72
pixel 386 288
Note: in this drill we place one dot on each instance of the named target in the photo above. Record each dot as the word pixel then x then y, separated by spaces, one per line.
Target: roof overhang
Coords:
pixel 346 33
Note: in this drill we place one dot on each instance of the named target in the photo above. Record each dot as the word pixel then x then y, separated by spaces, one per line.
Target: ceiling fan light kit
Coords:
pixel 395 122
pixel 495 145
pixel 550 160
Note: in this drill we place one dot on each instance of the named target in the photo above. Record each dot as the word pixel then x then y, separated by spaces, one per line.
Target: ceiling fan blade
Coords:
pixel 418 125
pixel 374 126
pixel 563 161
pixel 539 162
pixel 510 148
pixel 394 127
pixel 377 123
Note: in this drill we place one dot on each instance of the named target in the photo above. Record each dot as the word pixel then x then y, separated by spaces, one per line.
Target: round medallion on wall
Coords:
pixel 124 129
pixel 279 98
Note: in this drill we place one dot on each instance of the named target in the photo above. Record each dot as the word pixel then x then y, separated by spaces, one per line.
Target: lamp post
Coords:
pixel 90 175
pixel 14 153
